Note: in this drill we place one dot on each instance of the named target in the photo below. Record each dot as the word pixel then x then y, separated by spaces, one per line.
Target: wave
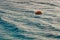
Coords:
pixel 18 21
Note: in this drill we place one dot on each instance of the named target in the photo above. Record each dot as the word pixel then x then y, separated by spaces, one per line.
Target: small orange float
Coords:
pixel 38 12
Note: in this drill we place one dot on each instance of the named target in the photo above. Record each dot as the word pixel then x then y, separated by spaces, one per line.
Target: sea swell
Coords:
pixel 18 21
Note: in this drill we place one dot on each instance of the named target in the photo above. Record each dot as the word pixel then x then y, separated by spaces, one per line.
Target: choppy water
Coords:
pixel 18 21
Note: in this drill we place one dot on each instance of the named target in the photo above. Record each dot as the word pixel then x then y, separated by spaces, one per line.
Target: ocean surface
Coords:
pixel 19 22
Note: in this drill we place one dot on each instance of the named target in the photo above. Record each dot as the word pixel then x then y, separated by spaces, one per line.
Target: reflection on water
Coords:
pixel 18 21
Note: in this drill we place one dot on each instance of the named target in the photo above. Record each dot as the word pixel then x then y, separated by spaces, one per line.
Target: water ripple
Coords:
pixel 18 21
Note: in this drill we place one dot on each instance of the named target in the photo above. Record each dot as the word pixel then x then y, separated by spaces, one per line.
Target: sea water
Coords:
pixel 19 22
